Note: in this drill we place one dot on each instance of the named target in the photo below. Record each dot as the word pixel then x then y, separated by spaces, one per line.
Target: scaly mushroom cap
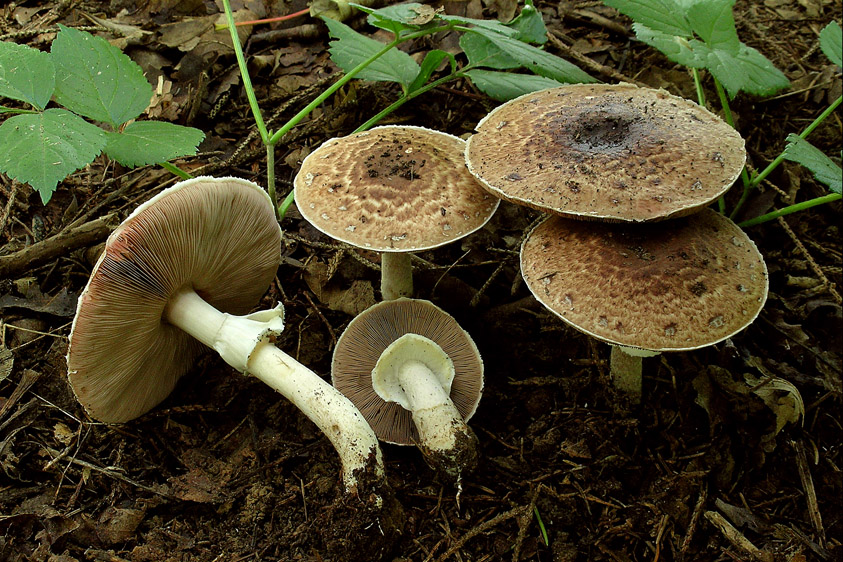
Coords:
pixel 671 286
pixel 372 331
pixel 392 189
pixel 606 152
pixel 216 235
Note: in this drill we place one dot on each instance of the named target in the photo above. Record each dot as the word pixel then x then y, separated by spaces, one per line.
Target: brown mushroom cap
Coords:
pixel 671 286
pixel 606 152
pixel 372 331
pixel 216 235
pixel 392 189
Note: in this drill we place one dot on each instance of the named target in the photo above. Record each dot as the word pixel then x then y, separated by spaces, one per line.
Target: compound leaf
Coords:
pixel 351 48
pixel 96 79
pixel 42 149
pixel 26 74
pixel 714 22
pixel 504 86
pixel 665 16
pixel 152 142
pixel 824 169
pixel 831 42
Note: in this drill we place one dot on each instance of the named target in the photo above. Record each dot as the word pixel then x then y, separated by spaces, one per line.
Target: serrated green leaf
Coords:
pixel 676 48
pixel 529 24
pixel 351 48
pixel 745 71
pixel 96 79
pixel 396 18
pixel 431 62
pixel 481 25
pixel 665 16
pixel 824 169
pixel 714 22
pixel 42 149
pixel 26 74
pixel 482 52
pixel 831 42
pixel 536 60
pixel 152 142
pixel 504 86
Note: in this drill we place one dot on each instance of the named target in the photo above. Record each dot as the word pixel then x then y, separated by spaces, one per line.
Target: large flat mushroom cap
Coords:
pixel 218 236
pixel 606 152
pixel 670 286
pixel 372 331
pixel 392 189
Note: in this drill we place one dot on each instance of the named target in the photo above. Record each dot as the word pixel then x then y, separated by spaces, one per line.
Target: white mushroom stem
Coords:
pixel 244 343
pixel 417 374
pixel 396 275
pixel 625 366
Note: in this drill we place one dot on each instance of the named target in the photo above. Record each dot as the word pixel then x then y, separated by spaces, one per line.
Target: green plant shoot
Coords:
pixel 90 79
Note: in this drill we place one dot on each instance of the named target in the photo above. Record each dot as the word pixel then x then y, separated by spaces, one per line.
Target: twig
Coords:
pixel 480 529
pixel 589 62
pixel 58 245
pixel 322 317
pixel 810 491
pixel 692 525
pixel 737 538
pixel 811 263
pixel 523 525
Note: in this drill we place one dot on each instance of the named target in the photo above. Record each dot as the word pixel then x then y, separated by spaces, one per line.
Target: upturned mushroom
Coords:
pixel 647 288
pixel 416 376
pixel 604 152
pixel 394 190
pixel 176 274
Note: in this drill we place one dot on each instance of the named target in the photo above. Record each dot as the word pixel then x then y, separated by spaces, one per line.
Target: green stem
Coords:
pixel 345 79
pixel 756 180
pixel 285 204
pixel 698 85
pixel 270 177
pixel 244 72
pixel 4 109
pixel 791 209
pixel 175 170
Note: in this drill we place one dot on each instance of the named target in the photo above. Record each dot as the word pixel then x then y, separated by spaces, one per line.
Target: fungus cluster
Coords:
pixel 646 267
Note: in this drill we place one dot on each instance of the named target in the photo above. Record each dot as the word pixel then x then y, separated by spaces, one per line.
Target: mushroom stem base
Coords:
pixel 244 343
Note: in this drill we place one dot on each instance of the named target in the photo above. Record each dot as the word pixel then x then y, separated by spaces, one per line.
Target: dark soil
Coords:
pixel 224 470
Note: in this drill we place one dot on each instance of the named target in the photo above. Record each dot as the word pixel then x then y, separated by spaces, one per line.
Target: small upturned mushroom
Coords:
pixel 176 274
pixel 395 190
pixel 416 376
pixel 615 153
pixel 676 285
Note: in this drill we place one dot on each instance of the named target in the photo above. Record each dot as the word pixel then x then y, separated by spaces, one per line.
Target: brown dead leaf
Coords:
pixel 118 524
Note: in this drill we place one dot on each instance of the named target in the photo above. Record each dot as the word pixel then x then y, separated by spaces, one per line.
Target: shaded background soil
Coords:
pixel 224 470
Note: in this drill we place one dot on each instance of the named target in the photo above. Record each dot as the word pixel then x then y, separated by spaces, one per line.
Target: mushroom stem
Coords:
pixel 626 367
pixel 244 343
pixel 396 275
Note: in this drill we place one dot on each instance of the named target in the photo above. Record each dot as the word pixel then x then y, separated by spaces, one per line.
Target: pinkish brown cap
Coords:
pixel 392 189
pixel 372 331
pixel 669 286
pixel 216 235
pixel 606 152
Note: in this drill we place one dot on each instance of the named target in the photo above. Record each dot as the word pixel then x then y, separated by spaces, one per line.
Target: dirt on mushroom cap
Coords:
pixel 666 286
pixel 393 188
pixel 607 152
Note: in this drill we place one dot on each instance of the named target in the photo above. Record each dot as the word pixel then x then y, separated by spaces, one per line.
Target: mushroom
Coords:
pixel 179 271
pixel 395 190
pixel 606 152
pixel 416 377
pixel 678 285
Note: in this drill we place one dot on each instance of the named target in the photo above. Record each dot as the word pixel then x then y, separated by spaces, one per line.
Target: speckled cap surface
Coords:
pixel 392 189
pixel 667 286
pixel 606 152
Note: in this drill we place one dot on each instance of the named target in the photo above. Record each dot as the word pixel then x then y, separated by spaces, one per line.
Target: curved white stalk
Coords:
pixel 396 275
pixel 243 342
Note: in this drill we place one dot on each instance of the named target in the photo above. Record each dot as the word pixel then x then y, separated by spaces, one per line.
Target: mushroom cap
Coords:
pixel 372 331
pixel 218 236
pixel 673 286
pixel 392 189
pixel 606 152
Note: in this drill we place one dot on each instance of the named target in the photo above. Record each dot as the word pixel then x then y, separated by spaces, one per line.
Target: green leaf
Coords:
pixel 529 24
pixel 714 22
pixel 504 86
pixel 482 52
pixel 824 169
pixel 398 17
pixel 665 16
pixel 745 71
pixel 152 142
pixel 42 149
pixel 536 60
pixel 26 74
pixel 431 62
pixel 481 25
pixel 351 48
pixel 96 79
pixel 831 42
pixel 676 48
